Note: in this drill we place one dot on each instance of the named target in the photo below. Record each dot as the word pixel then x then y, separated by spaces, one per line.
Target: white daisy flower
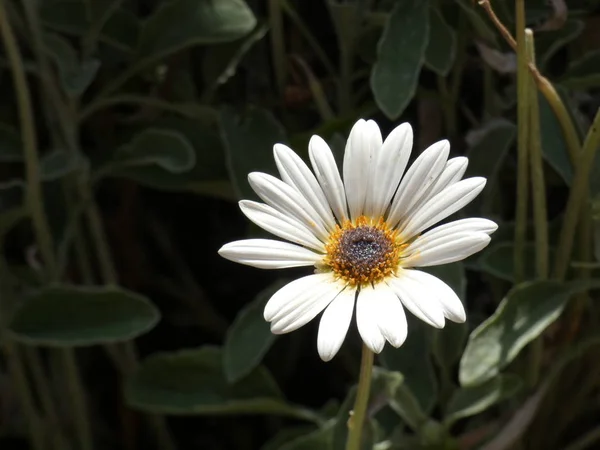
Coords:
pixel 366 236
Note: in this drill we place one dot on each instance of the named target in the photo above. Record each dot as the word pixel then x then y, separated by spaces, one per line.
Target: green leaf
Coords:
pixel 58 163
pixel 208 174
pixel 192 382
pixel 167 149
pixel 550 42
pixel 11 147
pixel 403 400
pixel 320 439
pixel 383 387
pixel 448 343
pixel 184 23
pixel 249 337
pixel 73 316
pixel 120 31
pixel 526 311
pixel 413 361
pixel 220 61
pixel 554 147
pixel 400 55
pixel 470 401
pixel 441 49
pixel 249 145
pixel 287 436
pixel 498 260
pixel 75 76
pixel 583 73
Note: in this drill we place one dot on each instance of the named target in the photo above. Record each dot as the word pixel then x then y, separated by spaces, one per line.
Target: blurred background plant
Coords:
pixel 127 129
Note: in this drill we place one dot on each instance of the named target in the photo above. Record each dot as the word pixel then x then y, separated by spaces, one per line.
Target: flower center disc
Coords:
pixel 363 253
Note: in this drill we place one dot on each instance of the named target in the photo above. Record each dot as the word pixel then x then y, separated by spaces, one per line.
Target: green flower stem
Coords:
pixel 523 107
pixel 47 402
pixel 19 379
pixel 127 359
pixel 538 185
pixel 77 397
pixel 538 189
pixel 577 195
pixel 544 86
pixel 34 196
pixel 357 419
pixel 90 40
pixel 278 44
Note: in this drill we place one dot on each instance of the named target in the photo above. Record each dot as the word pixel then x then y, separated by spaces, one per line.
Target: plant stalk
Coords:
pixel 523 107
pixel 34 195
pixel 277 44
pixel 19 379
pixel 545 87
pixel 538 185
pixel 578 193
pixel 357 419
pixel 538 189
pixel 79 404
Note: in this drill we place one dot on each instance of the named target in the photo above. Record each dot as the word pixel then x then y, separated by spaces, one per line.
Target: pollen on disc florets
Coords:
pixel 363 251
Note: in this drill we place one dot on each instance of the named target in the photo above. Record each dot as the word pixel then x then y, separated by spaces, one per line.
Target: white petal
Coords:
pixel 302 308
pixel 391 316
pixel 364 140
pixel 282 225
pixel 268 254
pixel 471 224
pixel 368 306
pixel 448 231
pixel 418 179
pixel 387 169
pixel 296 173
pixel 290 296
pixel 335 323
pixel 449 301
pixel 417 300
pixel 447 202
pixel 447 249
pixel 453 172
pixel 327 173
pixel 288 200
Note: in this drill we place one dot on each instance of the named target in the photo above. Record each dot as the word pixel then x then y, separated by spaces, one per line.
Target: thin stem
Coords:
pixel 34 195
pixel 186 110
pixel 356 422
pixel 35 200
pixel 90 40
pixel 107 268
pixel 538 185
pixel 128 358
pixel 545 87
pixel 277 44
pixel 538 189
pixel 577 194
pixel 40 379
pixel 523 105
pixel 448 106
pixel 79 404
pixel 19 379
pixel 310 39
